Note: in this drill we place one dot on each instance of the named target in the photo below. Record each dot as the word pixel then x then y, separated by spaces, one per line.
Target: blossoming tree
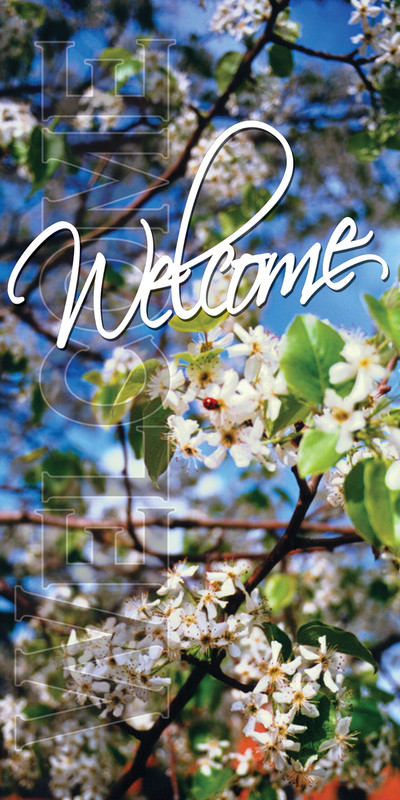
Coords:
pixel 201 528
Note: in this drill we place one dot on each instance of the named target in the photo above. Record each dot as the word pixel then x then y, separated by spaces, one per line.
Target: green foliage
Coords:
pixel 390 91
pixel 367 145
pixel 264 791
pixel 46 151
pixel 281 60
pixel 38 404
pixel 206 787
pixel 386 313
pixel 311 348
pixel 275 633
pixel 201 322
pixel 340 640
pixel 135 430
pixel 280 590
pixel 137 380
pixel 59 473
pixel 254 198
pixel 104 403
pixel 318 729
pixel 11 363
pixel 157 448
pixel 34 710
pixel 226 68
pixel 128 67
pixel 364 146
pixel 317 452
pixel 29 10
pixel 292 410
pixel 366 717
pixel 373 508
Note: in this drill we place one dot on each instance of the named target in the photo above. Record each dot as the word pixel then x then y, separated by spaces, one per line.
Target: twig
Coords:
pixel 130 527
pixel 346 58
pixel 186 522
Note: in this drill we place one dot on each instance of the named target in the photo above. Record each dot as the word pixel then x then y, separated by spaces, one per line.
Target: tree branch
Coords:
pixel 178 169
pixel 186 522
pixel 187 691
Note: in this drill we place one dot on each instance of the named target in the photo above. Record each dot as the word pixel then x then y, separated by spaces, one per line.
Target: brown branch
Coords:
pixel 307 492
pixel 26 315
pixel 152 736
pixel 178 169
pixel 383 387
pixel 187 522
pixel 214 669
pixel 345 58
pixel 342 58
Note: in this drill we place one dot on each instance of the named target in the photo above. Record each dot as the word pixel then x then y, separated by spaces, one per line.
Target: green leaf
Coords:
pixel 205 787
pixel 279 590
pixel 378 312
pixel 93 376
pixel 137 380
pixel 30 11
pixel 373 508
pixel 354 494
pixel 342 641
pixel 123 72
pixel 318 729
pixel 119 757
pixel 363 145
pixel 135 431
pixel 366 717
pixel 157 448
pixel 311 347
pixel 378 500
pixel 386 313
pixel 104 404
pixel 390 91
pixel 33 455
pixel 31 711
pixel 317 452
pixel 38 404
pixel 275 634
pixel 253 199
pixel 281 60
pixel 45 153
pixel 391 300
pixel 195 358
pixel 231 219
pixel 226 68
pixel 292 410
pixel 201 322
pixel 264 791
pixel 18 150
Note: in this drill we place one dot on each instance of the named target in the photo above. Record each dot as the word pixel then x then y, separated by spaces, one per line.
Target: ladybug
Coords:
pixel 211 404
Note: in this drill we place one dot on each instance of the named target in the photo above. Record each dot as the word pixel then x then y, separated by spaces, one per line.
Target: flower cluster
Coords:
pixel 380 30
pixel 240 19
pixel 237 163
pixel 125 662
pixel 16 122
pixel 71 757
pixel 98 110
pixel 233 411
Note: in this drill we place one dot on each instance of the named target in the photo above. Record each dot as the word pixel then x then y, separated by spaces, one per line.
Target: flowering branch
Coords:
pixel 178 169
pixel 307 492
pixel 346 58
